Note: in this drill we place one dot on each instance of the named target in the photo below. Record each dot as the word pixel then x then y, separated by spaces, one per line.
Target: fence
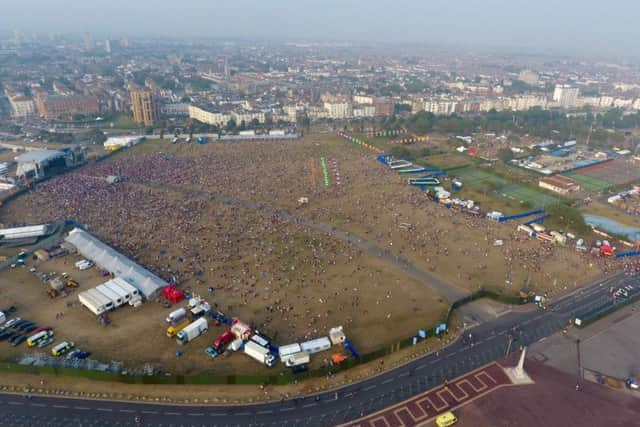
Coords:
pixel 275 379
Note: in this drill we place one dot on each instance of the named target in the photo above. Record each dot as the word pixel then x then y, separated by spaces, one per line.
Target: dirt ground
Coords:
pixel 226 216
pixel 551 401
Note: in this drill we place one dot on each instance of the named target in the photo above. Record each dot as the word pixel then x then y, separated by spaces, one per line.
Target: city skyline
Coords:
pixel 573 26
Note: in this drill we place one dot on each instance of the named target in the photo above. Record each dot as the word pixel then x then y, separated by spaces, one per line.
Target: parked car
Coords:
pixel 26 325
pixel 45 342
pixel 632 383
pixel 18 339
pixel 9 323
pixel 30 328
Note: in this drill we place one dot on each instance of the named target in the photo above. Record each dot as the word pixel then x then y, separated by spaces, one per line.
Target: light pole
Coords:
pixel 579 363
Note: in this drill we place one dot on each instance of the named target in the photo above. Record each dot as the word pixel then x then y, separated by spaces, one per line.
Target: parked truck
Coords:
pixel 173 330
pixel 177 316
pixel 259 353
pixel 220 344
pixel 192 331
pixel 297 359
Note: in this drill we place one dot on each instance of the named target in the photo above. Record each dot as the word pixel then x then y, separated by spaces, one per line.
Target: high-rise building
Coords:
pixel 144 105
pixel 107 46
pixel 88 41
pixel 566 96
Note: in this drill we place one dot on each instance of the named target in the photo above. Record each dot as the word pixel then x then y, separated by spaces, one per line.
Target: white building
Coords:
pixel 529 77
pixel 215 118
pixel 176 109
pixel 362 99
pixel 21 106
pixel 338 110
pixel 566 96
pixel 364 111
pixel 248 116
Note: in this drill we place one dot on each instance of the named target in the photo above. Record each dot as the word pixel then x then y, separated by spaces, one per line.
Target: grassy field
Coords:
pixel 482 180
pixel 589 183
pixel 604 210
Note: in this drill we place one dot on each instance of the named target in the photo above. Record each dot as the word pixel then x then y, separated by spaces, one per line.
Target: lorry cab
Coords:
pixel 446 419
pixel 222 341
pixel 172 331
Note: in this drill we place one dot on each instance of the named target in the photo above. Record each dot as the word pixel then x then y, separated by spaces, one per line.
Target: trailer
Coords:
pixel 259 353
pixel 192 331
pixel 316 346
pixel 296 359
pixel 127 287
pixel 240 329
pixel 176 327
pixel 95 301
pixel 122 294
pixel 112 295
pixel 177 315
pixel 288 350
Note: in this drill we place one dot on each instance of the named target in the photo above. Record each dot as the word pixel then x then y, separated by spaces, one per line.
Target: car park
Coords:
pixel 29 328
pixel 26 325
pixel 12 322
pixel 45 342
pixel 18 324
pixel 5 335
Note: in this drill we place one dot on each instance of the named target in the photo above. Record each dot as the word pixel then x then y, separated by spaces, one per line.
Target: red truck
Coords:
pixel 220 344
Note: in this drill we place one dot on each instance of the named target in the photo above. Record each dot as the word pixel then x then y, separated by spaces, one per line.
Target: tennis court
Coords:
pixel 479 179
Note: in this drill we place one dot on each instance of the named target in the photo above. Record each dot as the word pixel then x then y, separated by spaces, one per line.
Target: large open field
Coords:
pixel 367 252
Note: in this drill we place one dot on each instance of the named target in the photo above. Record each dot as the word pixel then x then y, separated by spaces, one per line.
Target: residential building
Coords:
pixel 566 96
pixel 362 99
pixel 144 106
pixel 175 109
pixel 214 118
pixel 338 109
pixel 529 77
pixel 21 106
pixel 384 107
pixel 55 106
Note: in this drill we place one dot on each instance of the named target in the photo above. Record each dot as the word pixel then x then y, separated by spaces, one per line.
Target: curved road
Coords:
pixel 490 342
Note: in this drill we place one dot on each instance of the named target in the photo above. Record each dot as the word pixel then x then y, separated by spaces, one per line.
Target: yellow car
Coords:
pixel 446 419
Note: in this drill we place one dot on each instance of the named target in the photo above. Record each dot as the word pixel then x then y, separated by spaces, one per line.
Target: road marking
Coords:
pixel 243 413
pixel 371 387
pixel 309 405
pixel 60 406
pixel 286 409
pixel 41 405
pixel 82 408
pixel 130 411
pixel 173 413
pixel 264 412
pixel 217 414
pixel 421 367
pixel 105 409
pixel 149 412
pixel 196 414
pixel 404 374
pixel 387 381
pixel 16 403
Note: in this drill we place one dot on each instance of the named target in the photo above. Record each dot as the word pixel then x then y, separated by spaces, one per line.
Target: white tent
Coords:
pixel 109 259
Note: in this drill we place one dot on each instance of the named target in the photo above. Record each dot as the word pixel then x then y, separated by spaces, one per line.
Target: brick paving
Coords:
pixel 436 401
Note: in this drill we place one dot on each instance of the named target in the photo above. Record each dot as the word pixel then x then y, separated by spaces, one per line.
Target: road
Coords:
pixel 489 342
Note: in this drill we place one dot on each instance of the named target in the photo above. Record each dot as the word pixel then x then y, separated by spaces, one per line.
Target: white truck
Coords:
pixel 261 354
pixel 176 316
pixel 297 359
pixel 192 331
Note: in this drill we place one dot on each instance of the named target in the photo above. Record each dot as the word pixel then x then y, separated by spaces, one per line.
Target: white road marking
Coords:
pixel 286 409
pixel 82 408
pixel 149 412
pixel 60 406
pixel 173 413
pixel 264 412
pixel 41 405
pixel 16 403
pixel 130 411
pixel 309 405
pixel 421 367
pixel 371 387
pixel 105 409
pixel 195 414
pixel 387 381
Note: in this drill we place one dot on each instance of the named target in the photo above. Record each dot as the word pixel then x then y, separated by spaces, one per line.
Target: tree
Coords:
pixel 505 155
pixel 231 125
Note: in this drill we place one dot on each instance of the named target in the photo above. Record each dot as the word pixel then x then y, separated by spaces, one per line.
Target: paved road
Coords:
pixel 489 343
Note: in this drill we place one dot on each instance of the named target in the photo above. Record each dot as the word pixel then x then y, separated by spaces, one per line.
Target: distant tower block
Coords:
pixel 517 374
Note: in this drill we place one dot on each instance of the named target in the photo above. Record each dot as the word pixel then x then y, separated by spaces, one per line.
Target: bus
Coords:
pixel 35 339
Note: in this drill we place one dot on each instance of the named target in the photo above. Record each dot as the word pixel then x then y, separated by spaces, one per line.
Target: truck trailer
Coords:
pixel 316 346
pixel 113 296
pixel 192 331
pixel 177 315
pixel 259 353
pixel 297 359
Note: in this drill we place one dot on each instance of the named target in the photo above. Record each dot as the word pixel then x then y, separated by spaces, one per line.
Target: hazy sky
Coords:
pixel 580 24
